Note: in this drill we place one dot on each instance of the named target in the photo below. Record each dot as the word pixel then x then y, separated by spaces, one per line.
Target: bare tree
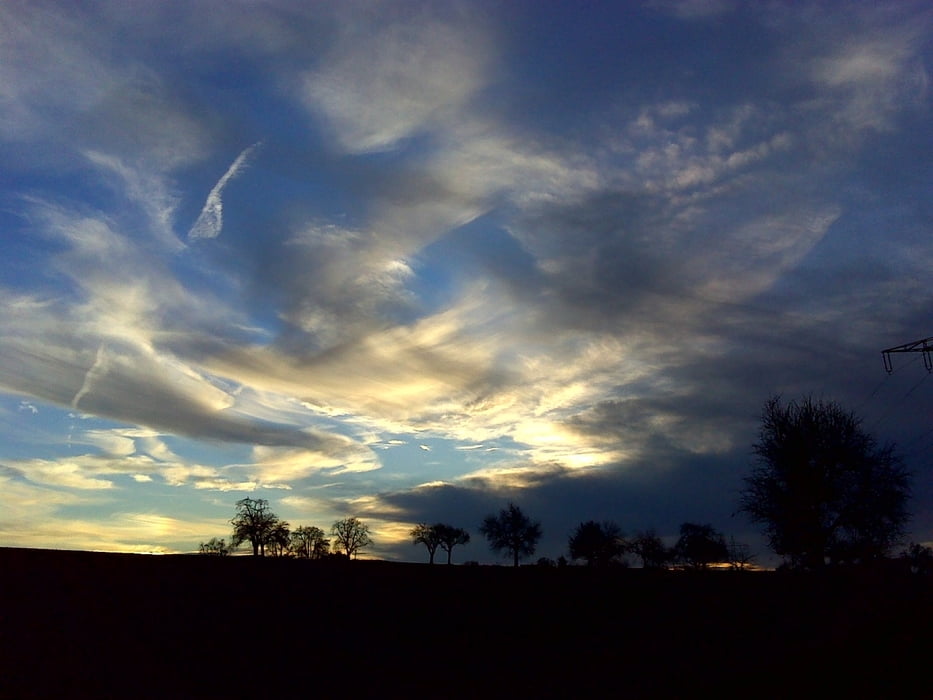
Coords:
pixel 427 535
pixel 823 488
pixel 511 531
pixel 701 545
pixel 648 547
pixel 309 542
pixel 214 546
pixel 279 539
pixel 450 536
pixel 254 522
pixel 599 543
pixel 740 555
pixel 351 535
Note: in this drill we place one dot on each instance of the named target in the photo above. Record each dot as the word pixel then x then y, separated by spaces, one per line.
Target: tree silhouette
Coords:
pixel 309 542
pixel 449 537
pixel 427 535
pixel 648 547
pixel 740 555
pixel 214 546
pixel 822 487
pixel 511 531
pixel 279 539
pixel 599 543
pixel 351 535
pixel 701 545
pixel 253 522
pixel 919 559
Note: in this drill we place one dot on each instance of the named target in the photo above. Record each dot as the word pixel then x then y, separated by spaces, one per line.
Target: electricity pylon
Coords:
pixel 924 346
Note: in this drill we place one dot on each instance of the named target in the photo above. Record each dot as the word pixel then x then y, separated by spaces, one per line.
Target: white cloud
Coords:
pixel 31 519
pixel 210 221
pixel 868 75
pixel 386 81
pixel 288 465
pixel 77 473
pixel 145 186
pixel 94 371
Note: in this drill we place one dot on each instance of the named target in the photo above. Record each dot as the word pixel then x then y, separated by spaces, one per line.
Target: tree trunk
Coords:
pixel 515 555
pixel 430 556
pixel 448 555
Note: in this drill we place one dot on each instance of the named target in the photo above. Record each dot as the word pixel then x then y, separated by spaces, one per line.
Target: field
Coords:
pixel 79 624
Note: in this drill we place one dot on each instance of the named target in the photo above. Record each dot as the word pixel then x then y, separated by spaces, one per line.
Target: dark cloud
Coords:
pixel 127 390
pixel 649 494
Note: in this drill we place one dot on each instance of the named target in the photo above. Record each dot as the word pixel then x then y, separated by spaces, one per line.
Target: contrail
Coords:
pixel 211 219
pixel 96 370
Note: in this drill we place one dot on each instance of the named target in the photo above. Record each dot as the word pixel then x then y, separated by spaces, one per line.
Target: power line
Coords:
pixel 916 385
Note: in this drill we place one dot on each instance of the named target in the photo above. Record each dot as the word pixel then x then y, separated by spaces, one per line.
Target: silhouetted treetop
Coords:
pixel 309 542
pixel 427 535
pixel 511 531
pixel 214 546
pixel 255 523
pixel 351 535
pixel 599 543
pixel 822 487
pixel 701 545
pixel 648 547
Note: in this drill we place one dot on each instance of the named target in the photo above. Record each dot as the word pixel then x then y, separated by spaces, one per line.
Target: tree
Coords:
pixel 919 559
pixel 214 546
pixel 599 543
pixel 254 522
pixel 309 542
pixel 648 547
pixel 427 535
pixel 449 537
pixel 279 539
pixel 511 531
pixel 351 535
pixel 823 489
pixel 740 555
pixel 701 545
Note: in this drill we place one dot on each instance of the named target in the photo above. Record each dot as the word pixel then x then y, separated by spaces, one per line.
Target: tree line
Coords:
pixel 266 533
pixel 823 490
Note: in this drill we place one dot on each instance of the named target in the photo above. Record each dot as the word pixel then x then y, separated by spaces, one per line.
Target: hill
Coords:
pixel 79 624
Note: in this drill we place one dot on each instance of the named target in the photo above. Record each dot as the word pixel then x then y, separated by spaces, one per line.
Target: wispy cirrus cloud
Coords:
pixel 210 221
pixel 384 80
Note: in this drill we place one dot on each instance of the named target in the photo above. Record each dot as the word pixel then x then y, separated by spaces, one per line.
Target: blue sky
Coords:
pixel 409 261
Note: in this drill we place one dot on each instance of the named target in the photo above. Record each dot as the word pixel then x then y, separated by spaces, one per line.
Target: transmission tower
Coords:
pixel 925 347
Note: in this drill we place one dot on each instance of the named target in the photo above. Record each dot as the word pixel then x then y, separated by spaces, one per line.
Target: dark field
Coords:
pixel 78 624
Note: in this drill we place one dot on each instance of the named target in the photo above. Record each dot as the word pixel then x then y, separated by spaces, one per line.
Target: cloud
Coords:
pixel 692 9
pixel 94 371
pixel 31 518
pixel 573 269
pixel 283 465
pixel 210 220
pixel 82 472
pixel 146 187
pixel 384 81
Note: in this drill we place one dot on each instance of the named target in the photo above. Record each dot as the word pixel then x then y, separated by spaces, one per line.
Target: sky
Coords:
pixel 411 261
